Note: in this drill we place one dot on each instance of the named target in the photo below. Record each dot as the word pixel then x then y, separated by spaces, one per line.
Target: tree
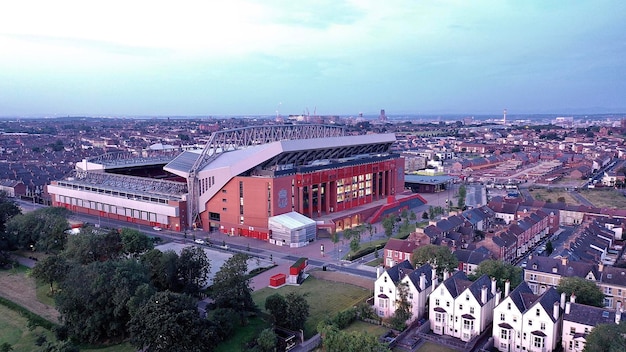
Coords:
pixel 170 322
pixel 193 269
pixel 6 347
pixel 549 247
pixel 438 256
pixel 606 338
pixel 92 246
pixel 135 242
pixel 231 287
pixel 355 244
pixel 370 230
pixel 50 270
pixel 462 195
pixel 587 292
pixel 388 224
pixel 297 311
pixel 334 339
pixel 266 341
pixel 162 269
pixel 499 270
pixel 43 229
pixel 277 306
pixel 425 215
pixel 93 299
pixel 403 308
pixel 8 209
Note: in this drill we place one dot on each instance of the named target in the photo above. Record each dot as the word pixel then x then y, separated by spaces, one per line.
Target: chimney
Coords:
pixel 556 310
pixel 435 282
pixel 507 288
pixel 562 300
pixel 572 298
pixel 618 312
pixel 600 267
pixel 568 306
pixel 530 256
pixel 422 281
pixel 564 261
pixel 483 294
pixel 433 273
pixel 498 294
pixel 446 274
pixel 493 285
pixel 378 271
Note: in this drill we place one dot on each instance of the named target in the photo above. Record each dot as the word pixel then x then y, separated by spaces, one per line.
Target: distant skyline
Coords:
pixel 244 57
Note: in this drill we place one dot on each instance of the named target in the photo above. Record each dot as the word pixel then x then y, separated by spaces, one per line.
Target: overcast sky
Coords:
pixel 241 57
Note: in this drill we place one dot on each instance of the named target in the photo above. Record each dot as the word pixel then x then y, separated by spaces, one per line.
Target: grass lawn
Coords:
pixel 553 195
pixel 367 328
pixel 432 347
pixel 14 331
pixel 325 298
pixel 376 262
pixel 242 335
pixel 605 197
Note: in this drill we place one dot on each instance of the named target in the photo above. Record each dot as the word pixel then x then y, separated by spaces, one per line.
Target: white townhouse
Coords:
pixel 385 288
pixel 580 319
pixel 418 282
pixel 524 321
pixel 461 308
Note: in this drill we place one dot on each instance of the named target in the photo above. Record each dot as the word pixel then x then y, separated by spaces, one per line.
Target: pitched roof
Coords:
pixel 589 315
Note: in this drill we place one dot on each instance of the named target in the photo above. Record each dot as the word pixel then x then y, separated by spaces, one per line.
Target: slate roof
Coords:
pixel 570 269
pixel 589 315
pixel 458 282
pixel 397 272
pixel 414 276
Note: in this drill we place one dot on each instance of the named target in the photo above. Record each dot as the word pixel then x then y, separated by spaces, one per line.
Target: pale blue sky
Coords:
pixel 241 57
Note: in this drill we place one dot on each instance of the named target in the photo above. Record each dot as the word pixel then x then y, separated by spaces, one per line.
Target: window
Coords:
pixel 436 302
pixel 538 312
pixel 468 324
pixel 504 334
pixel 538 341
pixel 385 279
pixel 467 297
pixel 410 296
pixel 471 310
pixel 515 318
pixel 381 289
pixel 543 326
pixel 608 290
pixel 533 277
pixel 502 317
pixel 447 303
pixel 438 317
pixel 572 330
pixel 530 323
pixel 508 306
pixel 460 307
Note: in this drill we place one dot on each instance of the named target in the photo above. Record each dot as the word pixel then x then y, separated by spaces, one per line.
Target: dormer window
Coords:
pixel 554 269
pixel 534 266
pixel 609 276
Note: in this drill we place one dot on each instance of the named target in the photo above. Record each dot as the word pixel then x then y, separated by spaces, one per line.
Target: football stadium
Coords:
pixel 284 184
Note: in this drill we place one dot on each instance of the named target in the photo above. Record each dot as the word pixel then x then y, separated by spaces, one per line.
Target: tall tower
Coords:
pixel 504 118
pixel 382 116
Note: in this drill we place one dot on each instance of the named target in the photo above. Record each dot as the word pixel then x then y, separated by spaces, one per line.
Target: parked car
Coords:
pixel 199 241
pixel 157 228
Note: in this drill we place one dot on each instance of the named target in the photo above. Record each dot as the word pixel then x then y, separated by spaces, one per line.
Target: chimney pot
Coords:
pixel 556 310
pixel 568 306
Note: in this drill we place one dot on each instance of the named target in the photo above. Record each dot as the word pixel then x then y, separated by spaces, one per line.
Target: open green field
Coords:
pixel 14 331
pixel 552 195
pixel 325 298
pixel 605 197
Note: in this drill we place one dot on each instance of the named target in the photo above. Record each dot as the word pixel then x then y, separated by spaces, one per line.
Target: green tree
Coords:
pixel 231 287
pixel 169 322
pixel 163 269
pixel 403 308
pixel 499 270
pixel 587 292
pixel 370 230
pixel 266 341
pixel 6 347
pixel 277 306
pixel 8 209
pixel 431 213
pixel 462 195
pixel 297 311
pixel 425 215
pixel 43 229
pixel 134 242
pixel 606 338
pixel 193 269
pixel 549 247
pixel 389 222
pixel 93 299
pixel 50 270
pixel 92 246
pixel 439 256
pixel 334 339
